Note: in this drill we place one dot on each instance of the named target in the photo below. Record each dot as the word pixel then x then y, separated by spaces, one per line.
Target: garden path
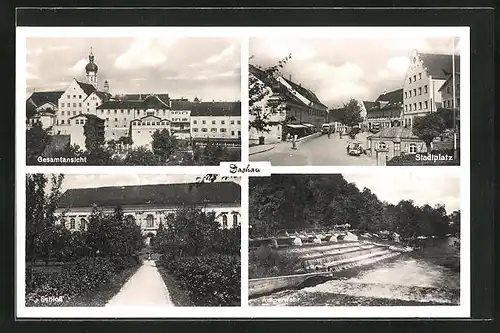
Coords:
pixel 144 288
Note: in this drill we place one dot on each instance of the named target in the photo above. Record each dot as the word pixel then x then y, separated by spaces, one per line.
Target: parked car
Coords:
pixel 354 148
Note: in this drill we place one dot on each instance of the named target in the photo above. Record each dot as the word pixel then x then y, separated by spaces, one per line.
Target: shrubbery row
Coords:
pixel 210 280
pixel 84 275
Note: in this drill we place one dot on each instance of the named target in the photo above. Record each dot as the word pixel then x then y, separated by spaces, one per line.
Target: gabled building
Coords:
pixel 386 111
pixel 446 91
pixel 424 77
pixel 150 205
pixel 42 105
pixel 76 128
pixel 286 99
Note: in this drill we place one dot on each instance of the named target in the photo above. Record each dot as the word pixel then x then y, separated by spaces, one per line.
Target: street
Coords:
pixel 316 151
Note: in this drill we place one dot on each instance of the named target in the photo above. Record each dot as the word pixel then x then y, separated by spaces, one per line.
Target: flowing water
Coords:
pixel 402 281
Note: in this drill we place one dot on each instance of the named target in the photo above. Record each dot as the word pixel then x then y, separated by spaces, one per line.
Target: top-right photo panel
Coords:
pixel 354 101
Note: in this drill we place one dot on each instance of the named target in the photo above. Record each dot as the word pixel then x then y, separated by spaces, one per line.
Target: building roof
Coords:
pixel 306 93
pixel 395 96
pixel 86 87
pixel 280 89
pixel 370 105
pixel 88 116
pixel 450 77
pixel 41 97
pixel 439 65
pixel 216 109
pixel 180 104
pixel 121 104
pixel 161 194
pixel 395 132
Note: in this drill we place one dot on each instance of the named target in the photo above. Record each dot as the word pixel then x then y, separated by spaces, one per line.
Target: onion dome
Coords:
pixel 91 66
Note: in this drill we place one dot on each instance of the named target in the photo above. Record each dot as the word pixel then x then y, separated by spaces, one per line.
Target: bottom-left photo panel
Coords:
pixel 114 240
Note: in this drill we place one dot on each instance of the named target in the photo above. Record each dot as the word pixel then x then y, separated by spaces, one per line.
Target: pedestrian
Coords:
pixel 329 132
pixel 288 137
pixel 340 133
pixel 293 142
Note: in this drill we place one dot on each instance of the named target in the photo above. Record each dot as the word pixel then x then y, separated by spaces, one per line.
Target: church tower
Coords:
pixel 91 70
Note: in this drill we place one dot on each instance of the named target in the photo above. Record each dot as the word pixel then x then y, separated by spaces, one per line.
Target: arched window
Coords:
pixel 130 219
pixel 382 145
pixel 413 148
pixel 224 221
pixel 72 223
pixel 63 223
pixel 235 220
pixel 150 221
pixel 83 224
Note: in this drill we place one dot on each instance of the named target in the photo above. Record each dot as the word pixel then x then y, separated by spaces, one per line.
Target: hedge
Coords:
pixel 211 280
pixel 80 277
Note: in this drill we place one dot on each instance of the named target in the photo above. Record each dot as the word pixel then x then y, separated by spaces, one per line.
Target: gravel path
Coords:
pixel 144 288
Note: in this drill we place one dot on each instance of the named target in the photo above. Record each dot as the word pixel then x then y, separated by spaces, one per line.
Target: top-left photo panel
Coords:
pixel 131 100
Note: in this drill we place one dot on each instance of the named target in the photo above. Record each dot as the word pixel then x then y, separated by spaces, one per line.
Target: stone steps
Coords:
pixel 317 248
pixel 337 251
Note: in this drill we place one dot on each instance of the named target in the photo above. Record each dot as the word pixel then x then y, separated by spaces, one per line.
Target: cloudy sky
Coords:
pixel 182 67
pixel 340 69
pixel 89 181
pixel 422 188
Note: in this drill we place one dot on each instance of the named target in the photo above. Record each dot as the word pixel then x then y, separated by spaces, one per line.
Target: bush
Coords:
pixel 86 274
pixel 211 280
pixel 122 263
pixel 267 262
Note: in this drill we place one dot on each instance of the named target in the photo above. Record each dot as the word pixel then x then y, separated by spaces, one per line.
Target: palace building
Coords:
pixel 148 205
pixel 386 111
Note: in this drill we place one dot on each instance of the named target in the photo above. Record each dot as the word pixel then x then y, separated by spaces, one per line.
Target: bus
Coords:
pixel 328 127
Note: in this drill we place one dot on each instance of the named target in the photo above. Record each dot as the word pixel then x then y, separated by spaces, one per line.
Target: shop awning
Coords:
pixel 295 126
pixel 308 125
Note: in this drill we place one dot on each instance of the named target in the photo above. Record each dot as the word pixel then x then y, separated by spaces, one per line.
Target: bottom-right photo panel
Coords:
pixel 354 239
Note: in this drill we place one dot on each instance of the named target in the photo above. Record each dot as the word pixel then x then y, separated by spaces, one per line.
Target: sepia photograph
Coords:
pixel 392 100
pixel 114 241
pixel 354 239
pixel 136 100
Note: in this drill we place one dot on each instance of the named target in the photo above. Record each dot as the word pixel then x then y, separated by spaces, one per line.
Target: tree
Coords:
pixel 213 154
pixel 350 114
pixel 141 156
pixel 112 235
pixel 190 232
pixel 30 110
pixel 40 213
pixel 258 89
pixel 164 144
pixel 428 127
pixel 99 155
pixel 94 133
pixel 455 222
pixel 37 140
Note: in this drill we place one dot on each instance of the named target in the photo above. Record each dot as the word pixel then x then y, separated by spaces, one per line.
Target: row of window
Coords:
pixel 148 123
pixel 222 122
pixel 415 77
pixel 412 148
pixel 449 103
pixel 69 113
pixel 413 107
pixel 149 222
pixel 408 94
pixel 74 96
pixel 74 105
pixel 448 89
pixel 179 119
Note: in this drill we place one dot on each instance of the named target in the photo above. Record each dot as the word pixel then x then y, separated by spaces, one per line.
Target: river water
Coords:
pixel 402 281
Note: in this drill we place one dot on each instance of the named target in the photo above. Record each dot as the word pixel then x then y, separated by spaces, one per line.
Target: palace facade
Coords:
pixel 150 205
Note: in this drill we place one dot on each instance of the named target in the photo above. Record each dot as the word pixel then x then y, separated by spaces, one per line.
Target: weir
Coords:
pixel 322 262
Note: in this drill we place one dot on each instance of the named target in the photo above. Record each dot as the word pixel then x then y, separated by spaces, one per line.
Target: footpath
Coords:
pixel 144 288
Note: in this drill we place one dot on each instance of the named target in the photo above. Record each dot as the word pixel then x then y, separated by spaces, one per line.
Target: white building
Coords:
pixel 143 129
pixel 44 106
pixel 148 205
pixel 76 127
pixel 424 77
pixel 216 121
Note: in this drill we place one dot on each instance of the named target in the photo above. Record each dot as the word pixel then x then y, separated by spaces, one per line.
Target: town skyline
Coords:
pixel 139 65
pixel 341 69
